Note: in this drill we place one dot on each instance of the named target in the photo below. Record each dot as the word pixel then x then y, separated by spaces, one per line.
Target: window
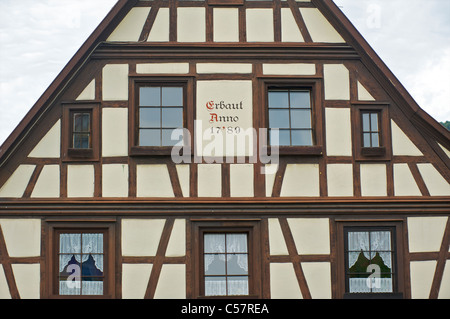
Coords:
pixel 80 260
pixel 160 113
pixel 372 260
pixel 80 124
pixel 290 113
pixel 225 266
pixel 371 133
pixel 226 259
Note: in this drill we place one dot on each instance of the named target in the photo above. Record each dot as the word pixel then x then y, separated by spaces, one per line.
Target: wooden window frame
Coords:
pixel 253 229
pixel 315 87
pixel 72 154
pixel 397 246
pixel 53 229
pixel 188 116
pixel 381 153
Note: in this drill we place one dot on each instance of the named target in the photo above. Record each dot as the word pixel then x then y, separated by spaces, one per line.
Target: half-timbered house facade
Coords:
pixel 237 148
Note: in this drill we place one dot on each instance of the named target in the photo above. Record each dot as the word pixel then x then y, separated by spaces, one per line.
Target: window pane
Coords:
pixel 366 122
pixel 279 118
pixel 366 140
pixel 215 286
pixel 90 268
pixel 301 138
pixel 300 119
pixel 358 241
pixel 374 121
pixel 70 243
pixel 236 243
pixel 375 140
pixel 172 96
pixel 171 137
pixel 278 99
pixel 86 122
pixel 81 140
pixel 149 117
pixel 172 117
pixel 149 137
pixel 215 264
pixel 300 99
pixel 214 243
pixel 237 286
pixel 92 288
pixel 150 96
pixel 237 264
pixel 92 243
pixel 280 137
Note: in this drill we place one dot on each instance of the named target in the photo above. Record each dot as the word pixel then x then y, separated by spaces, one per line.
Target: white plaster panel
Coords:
pixel 114 132
pixel 277 244
pixel 172 282
pixel 17 183
pixel 435 182
pixel 338 131
pixel 444 291
pixel 184 176
pixel 289 28
pixel 401 144
pixel 404 182
pixel 373 180
pixel 289 69
pixel 115 180
pixel 50 145
pixel 318 278
pixel 224 68
pixel 446 151
pixel 80 180
pixel 22 237
pixel 270 173
pixel 422 273
pixel 301 180
pixel 161 27
pixel 135 279
pixel 88 92
pixel 4 289
pixel 177 243
pixel 140 237
pixel 319 27
pixel 153 180
pixel 363 94
pixel 115 82
pixel 425 233
pixel 48 183
pixel 337 82
pixel 28 279
pixel 226 24
pixel 209 180
pixel 340 180
pixel 311 235
pixel 241 180
pixel 283 282
pixel 259 25
pixel 191 25
pixel 162 68
pixel 130 28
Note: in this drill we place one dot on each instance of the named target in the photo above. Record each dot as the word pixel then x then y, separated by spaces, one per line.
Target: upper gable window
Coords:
pixel 81 129
pixel 370 128
pixel 160 113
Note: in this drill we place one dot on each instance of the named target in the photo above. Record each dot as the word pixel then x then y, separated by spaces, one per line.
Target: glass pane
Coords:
pixel 92 288
pixel 301 138
pixel 172 117
pixel 374 121
pixel 70 243
pixel 149 117
pixel 81 140
pixel 149 137
pixel 278 99
pixel 237 264
pixel 171 137
pixel 86 122
pixel 366 122
pixel 172 96
pixel 91 268
pixel 215 264
pixel 236 243
pixel 69 288
pixel 300 99
pixel 279 118
pixel 92 243
pixel 358 285
pixel 300 119
pixel 214 243
pixel 215 286
pixel 237 286
pixel 375 140
pixel 366 140
pixel 358 241
pixel 150 96
pixel 280 137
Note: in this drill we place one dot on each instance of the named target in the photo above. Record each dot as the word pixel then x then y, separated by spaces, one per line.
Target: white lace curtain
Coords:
pixel 80 246
pixel 217 245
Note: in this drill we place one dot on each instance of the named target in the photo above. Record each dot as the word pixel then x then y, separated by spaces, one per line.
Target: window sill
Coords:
pixel 316 150
pixel 373 151
pixel 78 153
pixel 226 2
pixel 151 150
pixel 394 295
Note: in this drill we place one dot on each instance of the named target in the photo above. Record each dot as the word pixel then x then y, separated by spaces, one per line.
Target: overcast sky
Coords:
pixel 38 38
